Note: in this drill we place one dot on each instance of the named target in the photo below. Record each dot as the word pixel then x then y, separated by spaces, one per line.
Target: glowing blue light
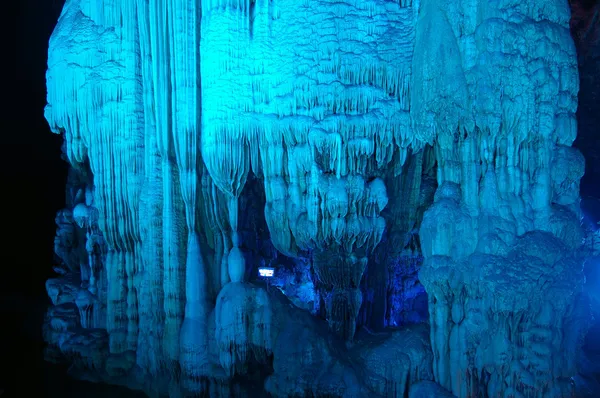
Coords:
pixel 266 272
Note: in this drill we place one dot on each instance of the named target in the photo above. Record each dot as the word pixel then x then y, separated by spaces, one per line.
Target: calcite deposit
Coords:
pixel 404 168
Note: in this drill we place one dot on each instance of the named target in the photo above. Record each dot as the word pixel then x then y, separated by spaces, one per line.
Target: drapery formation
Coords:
pixel 346 112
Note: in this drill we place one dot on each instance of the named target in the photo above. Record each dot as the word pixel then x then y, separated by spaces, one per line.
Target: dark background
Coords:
pixel 33 178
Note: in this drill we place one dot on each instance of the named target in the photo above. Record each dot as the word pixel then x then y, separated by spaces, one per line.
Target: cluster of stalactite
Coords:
pixel 378 131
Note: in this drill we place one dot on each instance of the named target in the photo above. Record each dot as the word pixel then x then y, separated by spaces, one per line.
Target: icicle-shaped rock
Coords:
pixel 377 129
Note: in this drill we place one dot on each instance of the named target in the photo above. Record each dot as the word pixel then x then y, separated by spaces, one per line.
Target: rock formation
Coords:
pixel 405 167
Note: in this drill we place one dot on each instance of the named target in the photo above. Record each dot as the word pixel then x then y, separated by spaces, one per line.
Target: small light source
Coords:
pixel 266 272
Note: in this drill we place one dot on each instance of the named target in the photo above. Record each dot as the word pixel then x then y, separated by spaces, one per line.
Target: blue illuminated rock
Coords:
pixel 379 153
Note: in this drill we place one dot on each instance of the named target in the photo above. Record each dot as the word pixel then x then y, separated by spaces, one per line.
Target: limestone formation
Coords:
pixel 404 166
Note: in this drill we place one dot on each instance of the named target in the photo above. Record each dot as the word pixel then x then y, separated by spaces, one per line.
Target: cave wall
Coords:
pixel 502 239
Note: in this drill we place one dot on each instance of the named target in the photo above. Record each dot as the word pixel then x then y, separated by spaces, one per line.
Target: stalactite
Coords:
pixel 381 132
pixel 174 233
